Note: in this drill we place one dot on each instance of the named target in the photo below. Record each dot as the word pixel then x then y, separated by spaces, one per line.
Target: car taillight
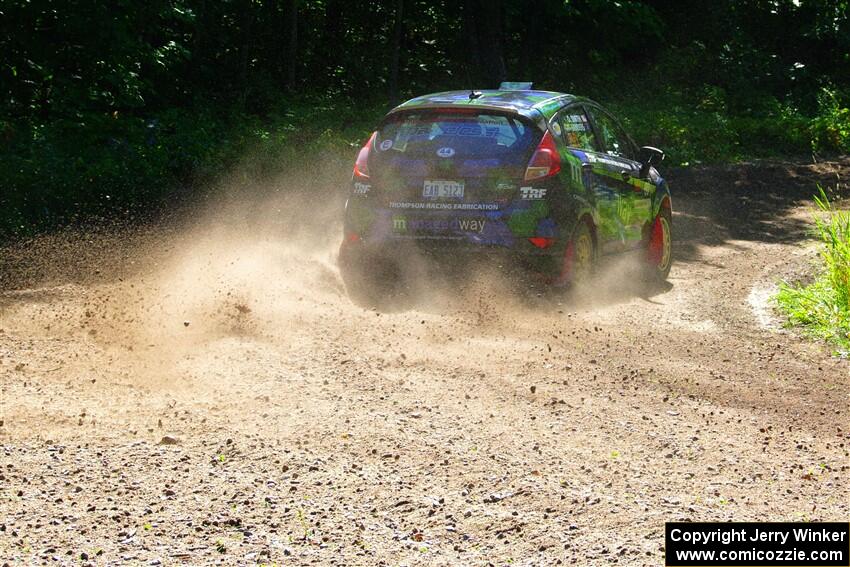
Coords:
pixel 361 166
pixel 545 162
pixel 542 242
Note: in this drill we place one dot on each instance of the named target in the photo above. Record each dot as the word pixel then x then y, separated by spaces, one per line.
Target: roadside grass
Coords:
pixel 822 308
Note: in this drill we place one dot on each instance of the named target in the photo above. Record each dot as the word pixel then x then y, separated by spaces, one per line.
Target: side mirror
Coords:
pixel 649 157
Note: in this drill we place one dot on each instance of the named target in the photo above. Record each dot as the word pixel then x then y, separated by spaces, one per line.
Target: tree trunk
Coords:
pixel 333 44
pixel 291 44
pixel 395 51
pixel 198 53
pixel 245 52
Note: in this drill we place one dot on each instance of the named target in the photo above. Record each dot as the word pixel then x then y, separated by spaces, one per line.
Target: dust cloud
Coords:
pixel 248 262
pixel 257 262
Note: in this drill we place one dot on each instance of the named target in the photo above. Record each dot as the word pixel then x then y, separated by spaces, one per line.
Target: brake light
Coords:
pixel 546 161
pixel 458 110
pixel 542 242
pixel 361 166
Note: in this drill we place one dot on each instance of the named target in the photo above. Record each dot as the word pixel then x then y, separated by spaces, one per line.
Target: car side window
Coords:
pixel 574 129
pixel 613 139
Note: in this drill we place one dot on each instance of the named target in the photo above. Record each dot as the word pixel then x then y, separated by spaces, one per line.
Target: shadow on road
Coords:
pixel 714 205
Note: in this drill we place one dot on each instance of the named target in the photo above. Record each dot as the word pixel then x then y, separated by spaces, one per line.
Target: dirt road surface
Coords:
pixel 206 393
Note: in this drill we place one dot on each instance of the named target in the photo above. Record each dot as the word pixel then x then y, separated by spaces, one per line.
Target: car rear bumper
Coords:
pixel 525 231
pixel 448 254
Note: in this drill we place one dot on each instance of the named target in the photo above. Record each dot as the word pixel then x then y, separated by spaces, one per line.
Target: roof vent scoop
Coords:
pixel 512 86
pixel 475 94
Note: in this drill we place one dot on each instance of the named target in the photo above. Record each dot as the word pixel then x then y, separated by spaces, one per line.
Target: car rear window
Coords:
pixel 452 133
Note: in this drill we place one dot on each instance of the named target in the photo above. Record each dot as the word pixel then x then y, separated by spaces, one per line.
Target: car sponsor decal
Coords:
pixel 575 123
pixel 446 152
pixel 474 225
pixel 641 184
pixel 475 130
pixel 471 224
pixel 531 193
pixel 602 159
pixel 446 206
pixel 361 188
pixel 484 228
pixel 386 144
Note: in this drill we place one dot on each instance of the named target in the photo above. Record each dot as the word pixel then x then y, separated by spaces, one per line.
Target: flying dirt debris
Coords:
pixel 475 423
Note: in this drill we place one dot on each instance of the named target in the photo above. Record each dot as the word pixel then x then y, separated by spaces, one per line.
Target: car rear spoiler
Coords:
pixel 531 114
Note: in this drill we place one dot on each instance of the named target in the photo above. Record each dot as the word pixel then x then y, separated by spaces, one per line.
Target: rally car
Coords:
pixel 551 180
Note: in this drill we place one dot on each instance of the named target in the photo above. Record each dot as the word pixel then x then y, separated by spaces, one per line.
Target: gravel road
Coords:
pixel 204 392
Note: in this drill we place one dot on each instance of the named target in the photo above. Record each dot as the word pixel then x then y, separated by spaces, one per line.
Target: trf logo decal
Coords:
pixel 530 193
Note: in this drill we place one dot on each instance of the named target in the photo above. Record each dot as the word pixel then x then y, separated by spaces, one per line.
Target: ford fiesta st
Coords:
pixel 551 180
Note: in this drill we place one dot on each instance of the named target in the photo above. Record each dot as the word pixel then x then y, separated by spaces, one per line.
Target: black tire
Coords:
pixel 369 279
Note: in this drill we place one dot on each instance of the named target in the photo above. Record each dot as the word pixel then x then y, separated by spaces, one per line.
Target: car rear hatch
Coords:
pixel 444 169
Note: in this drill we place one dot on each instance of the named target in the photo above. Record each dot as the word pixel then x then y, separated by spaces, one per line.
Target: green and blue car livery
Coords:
pixel 510 170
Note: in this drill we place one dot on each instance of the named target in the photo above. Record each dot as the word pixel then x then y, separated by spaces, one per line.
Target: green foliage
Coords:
pixel 700 127
pixel 831 126
pixel 65 171
pixel 121 106
pixel 823 307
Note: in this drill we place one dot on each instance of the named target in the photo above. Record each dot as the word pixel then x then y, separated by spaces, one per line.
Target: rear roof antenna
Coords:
pixel 475 94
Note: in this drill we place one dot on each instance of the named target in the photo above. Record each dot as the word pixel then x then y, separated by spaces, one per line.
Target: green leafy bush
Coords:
pixel 823 307
pixel 95 163
pixel 100 164
pixel 831 127
pixel 690 133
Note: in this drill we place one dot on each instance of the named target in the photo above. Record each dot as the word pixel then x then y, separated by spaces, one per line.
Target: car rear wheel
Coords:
pixel 368 278
pixel 659 248
pixel 579 257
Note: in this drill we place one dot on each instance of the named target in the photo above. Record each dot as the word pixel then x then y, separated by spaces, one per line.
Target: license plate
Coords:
pixel 441 189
